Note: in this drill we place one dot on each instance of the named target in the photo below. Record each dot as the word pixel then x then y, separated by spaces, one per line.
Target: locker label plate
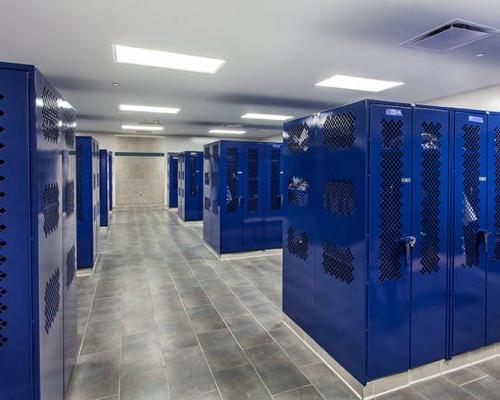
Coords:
pixel 474 118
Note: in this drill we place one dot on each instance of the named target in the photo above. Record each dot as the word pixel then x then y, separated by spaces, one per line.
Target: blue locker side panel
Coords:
pixel 173 159
pixel 110 177
pixel 84 202
pixel 298 224
pixel 95 196
pixel 216 196
pixel 180 190
pixel 389 268
pixel 493 290
pixel 253 204
pixel 430 228
pixel 469 224
pixel 103 188
pixel 16 253
pixel 340 265
pixel 49 191
pixel 272 196
pixel 69 244
pixel 207 197
pixel 193 186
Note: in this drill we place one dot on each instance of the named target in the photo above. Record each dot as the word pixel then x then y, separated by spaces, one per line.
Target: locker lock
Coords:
pixel 408 243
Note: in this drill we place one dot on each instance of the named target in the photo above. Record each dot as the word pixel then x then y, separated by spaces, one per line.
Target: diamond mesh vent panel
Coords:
pixel 206 153
pixel 193 184
pixel 69 124
pixel 298 244
pixel 50 208
pixel 79 182
pixel 338 262
pixel 50 116
pixel 52 299
pixel 339 131
pixel 431 197
pixel 215 206
pixel 69 198
pixel 496 250
pixel 471 162
pixel 70 266
pixel 338 197
pixel 391 205
pixel 207 203
pixel 232 180
pixel 275 179
pixel 253 180
pixel 207 178
pixel 298 191
pixel 298 138
pixel 3 274
pixel 215 151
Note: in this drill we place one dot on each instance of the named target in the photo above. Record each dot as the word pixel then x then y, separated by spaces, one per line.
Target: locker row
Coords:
pixel 391 233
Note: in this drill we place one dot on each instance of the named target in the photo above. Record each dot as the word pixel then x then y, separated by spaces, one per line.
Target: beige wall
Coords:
pixel 484 99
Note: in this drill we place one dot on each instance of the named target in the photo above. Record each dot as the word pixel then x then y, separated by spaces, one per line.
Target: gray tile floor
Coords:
pixel 162 318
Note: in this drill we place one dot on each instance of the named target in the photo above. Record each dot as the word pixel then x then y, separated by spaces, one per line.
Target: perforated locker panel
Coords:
pixel 85 201
pixel 493 305
pixel 96 196
pixel 110 178
pixel 340 264
pixel 180 189
pixel 389 269
pixel 469 256
pixel 430 227
pixel 191 186
pixel 172 165
pixel 103 188
pixel 207 196
pixel 253 204
pixel 272 194
pixel 299 256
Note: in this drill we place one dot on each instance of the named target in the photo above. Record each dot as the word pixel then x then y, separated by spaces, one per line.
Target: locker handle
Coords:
pixel 485 233
pixel 408 243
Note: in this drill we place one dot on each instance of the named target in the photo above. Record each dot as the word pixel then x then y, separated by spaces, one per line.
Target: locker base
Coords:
pixel 244 254
pixel 394 382
pixel 191 223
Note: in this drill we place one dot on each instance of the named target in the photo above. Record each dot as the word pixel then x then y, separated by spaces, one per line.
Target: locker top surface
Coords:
pixel 18 67
pixel 455 109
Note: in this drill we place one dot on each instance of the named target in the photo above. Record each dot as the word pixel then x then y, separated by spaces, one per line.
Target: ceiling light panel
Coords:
pixel 142 127
pixel 269 117
pixel 357 83
pixel 149 109
pixel 227 131
pixel 164 59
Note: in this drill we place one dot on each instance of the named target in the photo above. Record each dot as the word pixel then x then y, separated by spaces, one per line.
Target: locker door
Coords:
pixel 253 224
pixel 469 266
pixel 389 265
pixel 493 304
pixel 207 195
pixel 231 206
pixel 272 196
pixel 430 228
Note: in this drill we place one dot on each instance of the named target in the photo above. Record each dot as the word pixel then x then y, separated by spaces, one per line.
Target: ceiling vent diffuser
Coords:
pixel 450 36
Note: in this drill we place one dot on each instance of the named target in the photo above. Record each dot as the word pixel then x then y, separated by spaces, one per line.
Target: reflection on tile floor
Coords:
pixel 162 318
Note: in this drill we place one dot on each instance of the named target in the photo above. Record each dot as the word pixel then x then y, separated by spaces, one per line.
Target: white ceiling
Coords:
pixel 276 51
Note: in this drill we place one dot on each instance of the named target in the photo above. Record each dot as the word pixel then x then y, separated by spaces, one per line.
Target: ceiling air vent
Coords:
pixel 451 36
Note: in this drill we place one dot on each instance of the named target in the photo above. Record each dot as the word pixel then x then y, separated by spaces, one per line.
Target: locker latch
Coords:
pixel 408 243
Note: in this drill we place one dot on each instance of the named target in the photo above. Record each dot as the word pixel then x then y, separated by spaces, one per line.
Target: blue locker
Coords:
pixel 103 188
pixel 110 178
pixel 68 119
pixel 299 165
pixel 87 197
pixel 493 288
pixel 273 196
pixel 469 231
pixel 190 196
pixel 31 239
pixel 173 159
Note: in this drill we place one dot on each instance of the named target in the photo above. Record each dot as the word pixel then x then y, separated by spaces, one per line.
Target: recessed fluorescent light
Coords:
pixel 164 59
pixel 357 83
pixel 150 109
pixel 271 117
pixel 227 131
pixel 142 127
pixel 142 136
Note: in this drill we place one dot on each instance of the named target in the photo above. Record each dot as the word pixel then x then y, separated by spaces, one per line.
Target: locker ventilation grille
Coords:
pixel 497 195
pixel 70 266
pixel 3 308
pixel 298 192
pixel 298 244
pixel 52 299
pixel 193 184
pixel 232 180
pixel 391 200
pixel 79 183
pixel 338 197
pixel 215 208
pixel 3 339
pixel 471 173
pixel 207 203
pixel 207 178
pixel 253 180
pixel 275 179
pixel 431 202
pixel 69 129
pixel 298 138
pixel 338 262
pixel 50 208
pixel 215 152
pixel 50 116
pixel 206 153
pixel 339 131
pixel 69 198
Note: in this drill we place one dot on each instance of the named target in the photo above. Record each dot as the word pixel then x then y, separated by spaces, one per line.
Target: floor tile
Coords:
pixel 228 306
pixel 248 332
pixel 304 393
pixel 294 347
pixel 205 319
pixel 403 394
pixel 327 383
pixel 443 389
pixel 102 336
pixel 150 385
pixel 241 383
pixel 486 388
pixel 221 350
pixel 465 375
